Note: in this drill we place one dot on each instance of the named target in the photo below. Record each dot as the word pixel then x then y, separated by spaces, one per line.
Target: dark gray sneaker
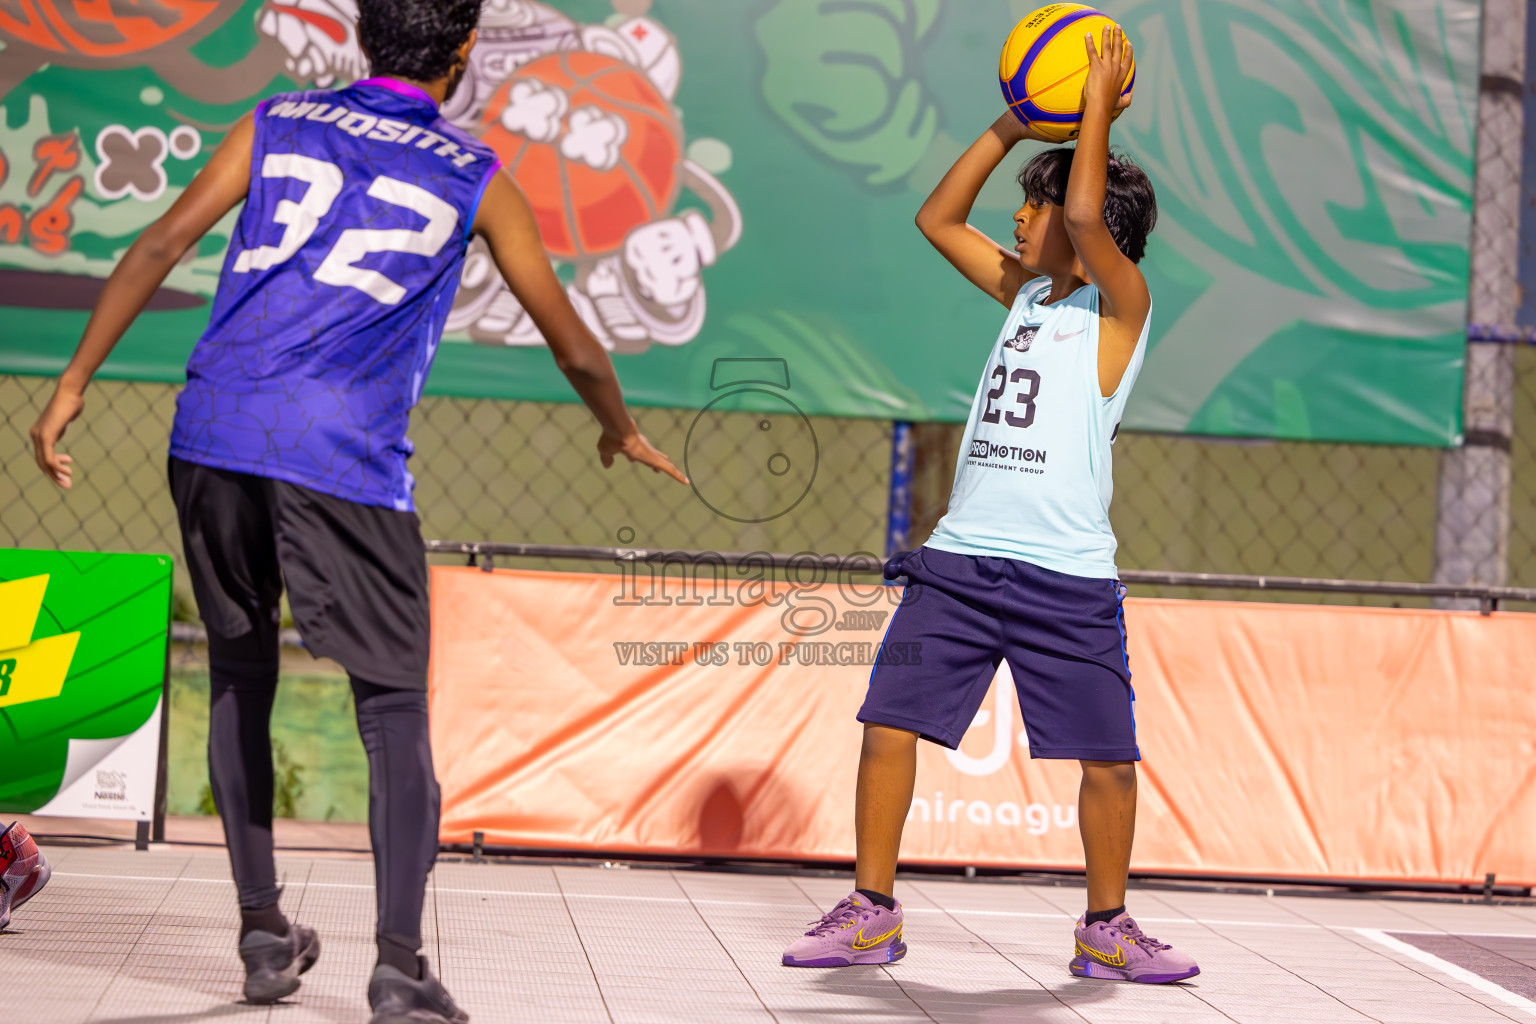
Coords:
pixel 397 999
pixel 273 963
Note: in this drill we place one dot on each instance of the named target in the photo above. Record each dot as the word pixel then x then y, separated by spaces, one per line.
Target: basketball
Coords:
pixel 1044 67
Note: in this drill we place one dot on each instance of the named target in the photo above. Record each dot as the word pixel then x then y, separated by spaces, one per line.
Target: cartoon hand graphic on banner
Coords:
pixel 666 257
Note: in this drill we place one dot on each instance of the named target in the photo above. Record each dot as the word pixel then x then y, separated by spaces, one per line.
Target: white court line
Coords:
pixel 1461 974
pixel 1026 914
pixel 539 894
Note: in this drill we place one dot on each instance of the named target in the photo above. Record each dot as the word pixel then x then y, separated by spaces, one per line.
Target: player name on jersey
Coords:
pixel 378 129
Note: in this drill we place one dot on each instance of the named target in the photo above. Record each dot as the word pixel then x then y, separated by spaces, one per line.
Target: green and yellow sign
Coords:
pixel 82 672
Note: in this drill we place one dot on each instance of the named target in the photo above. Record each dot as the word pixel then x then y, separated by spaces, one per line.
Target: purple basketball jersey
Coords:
pixel 339 278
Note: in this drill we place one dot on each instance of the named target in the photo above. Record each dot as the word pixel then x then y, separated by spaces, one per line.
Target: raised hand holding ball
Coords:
pixel 1044 68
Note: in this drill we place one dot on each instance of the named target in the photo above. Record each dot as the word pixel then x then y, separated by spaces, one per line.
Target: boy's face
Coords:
pixel 1043 245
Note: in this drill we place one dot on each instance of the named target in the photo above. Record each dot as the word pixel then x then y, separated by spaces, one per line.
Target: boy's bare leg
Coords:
pixel 887 773
pixel 1106 816
pixel 1106 813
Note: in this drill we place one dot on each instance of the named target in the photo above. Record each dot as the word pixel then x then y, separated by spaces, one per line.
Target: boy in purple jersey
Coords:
pixel 288 452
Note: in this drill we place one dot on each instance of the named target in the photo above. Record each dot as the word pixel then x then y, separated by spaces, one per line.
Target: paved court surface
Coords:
pixel 120 936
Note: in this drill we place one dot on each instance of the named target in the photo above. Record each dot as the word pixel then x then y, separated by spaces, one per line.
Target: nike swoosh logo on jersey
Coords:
pixel 1058 336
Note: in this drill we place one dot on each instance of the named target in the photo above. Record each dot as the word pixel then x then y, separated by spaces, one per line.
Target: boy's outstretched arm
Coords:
pixel 218 188
pixel 942 220
pixel 1124 301
pixel 507 223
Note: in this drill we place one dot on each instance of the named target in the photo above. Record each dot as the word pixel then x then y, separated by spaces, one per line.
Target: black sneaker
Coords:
pixel 397 999
pixel 273 963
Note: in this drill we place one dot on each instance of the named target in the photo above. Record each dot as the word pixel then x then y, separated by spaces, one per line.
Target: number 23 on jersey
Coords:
pixel 1024 396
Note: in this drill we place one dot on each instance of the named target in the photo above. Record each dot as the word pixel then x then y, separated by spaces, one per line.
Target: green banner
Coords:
pixel 82 670
pixel 732 179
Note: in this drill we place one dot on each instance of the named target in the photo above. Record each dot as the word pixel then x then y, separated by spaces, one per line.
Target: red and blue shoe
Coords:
pixel 23 870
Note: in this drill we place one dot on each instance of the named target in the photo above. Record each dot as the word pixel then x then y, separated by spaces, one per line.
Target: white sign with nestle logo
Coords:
pixel 113 778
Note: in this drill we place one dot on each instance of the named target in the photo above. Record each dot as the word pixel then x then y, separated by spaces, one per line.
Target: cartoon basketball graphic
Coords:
pixel 583 117
pixel 594 146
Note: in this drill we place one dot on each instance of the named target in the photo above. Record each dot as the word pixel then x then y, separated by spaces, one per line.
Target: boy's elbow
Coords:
pixel 569 363
pixel 1081 219
pixel 578 365
pixel 158 244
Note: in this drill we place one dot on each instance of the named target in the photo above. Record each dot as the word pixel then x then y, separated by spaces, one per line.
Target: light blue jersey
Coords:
pixel 1034 480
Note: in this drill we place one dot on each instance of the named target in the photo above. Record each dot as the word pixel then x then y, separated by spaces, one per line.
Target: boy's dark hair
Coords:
pixel 415 39
pixel 1130 206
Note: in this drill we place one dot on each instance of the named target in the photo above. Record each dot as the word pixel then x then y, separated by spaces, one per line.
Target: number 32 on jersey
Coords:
pixel 301 219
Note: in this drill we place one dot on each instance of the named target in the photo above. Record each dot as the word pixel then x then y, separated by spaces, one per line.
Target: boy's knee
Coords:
pixel 882 739
pixel 1112 774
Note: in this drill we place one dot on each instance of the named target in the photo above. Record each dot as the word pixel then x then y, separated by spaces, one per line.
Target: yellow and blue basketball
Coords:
pixel 1045 66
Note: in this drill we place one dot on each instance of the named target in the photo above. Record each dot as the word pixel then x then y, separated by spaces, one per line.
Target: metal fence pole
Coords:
pixel 899 512
pixel 1472 525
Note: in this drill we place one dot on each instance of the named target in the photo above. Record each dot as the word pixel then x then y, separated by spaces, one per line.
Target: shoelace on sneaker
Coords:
pixel 1133 931
pixel 834 919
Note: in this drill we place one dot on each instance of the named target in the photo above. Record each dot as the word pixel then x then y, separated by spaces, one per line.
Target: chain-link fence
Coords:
pixel 486 470
pixel 529 473
pixel 1522 501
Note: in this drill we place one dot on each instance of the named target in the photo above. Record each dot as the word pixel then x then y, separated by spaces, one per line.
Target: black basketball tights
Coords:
pixel 403 798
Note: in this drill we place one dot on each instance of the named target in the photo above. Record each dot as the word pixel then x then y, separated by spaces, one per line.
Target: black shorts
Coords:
pixel 356 574
pixel 1063 636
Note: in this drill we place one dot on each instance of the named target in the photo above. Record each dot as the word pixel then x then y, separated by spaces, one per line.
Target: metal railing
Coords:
pixel 484 555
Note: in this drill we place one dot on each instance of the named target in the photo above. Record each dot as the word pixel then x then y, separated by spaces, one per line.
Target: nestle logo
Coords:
pixel 111 785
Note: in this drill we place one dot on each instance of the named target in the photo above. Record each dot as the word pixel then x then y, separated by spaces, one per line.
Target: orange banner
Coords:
pixel 616 714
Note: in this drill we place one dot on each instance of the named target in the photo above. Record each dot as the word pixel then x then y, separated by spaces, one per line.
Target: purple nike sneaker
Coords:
pixel 1118 950
pixel 853 932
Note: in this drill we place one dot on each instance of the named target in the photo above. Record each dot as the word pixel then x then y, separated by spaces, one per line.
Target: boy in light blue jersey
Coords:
pixel 1023 565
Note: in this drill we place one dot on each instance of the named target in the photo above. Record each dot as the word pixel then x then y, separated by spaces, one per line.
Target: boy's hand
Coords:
pixel 637 449
pixel 1012 131
pixel 1108 69
pixel 62 410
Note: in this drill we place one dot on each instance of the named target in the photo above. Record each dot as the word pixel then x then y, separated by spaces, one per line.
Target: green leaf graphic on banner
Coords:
pixel 117 609
pixel 1315 161
pixel 844 77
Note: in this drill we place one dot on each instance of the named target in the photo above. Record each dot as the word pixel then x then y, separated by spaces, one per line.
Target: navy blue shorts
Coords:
pixel 1063 636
